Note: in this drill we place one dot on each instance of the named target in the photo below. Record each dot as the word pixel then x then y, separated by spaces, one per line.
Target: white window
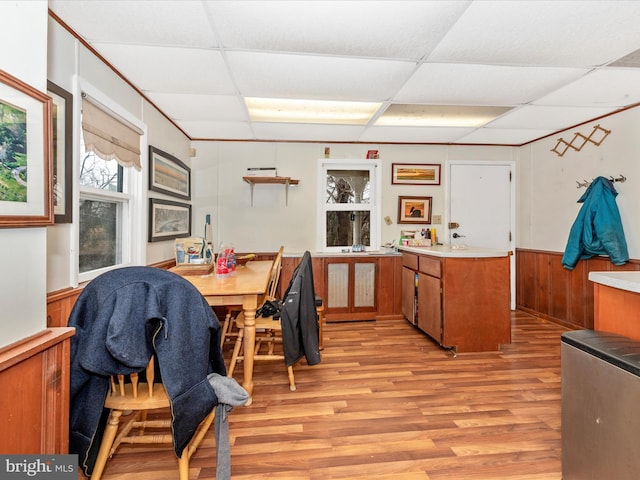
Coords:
pixel 349 204
pixel 109 215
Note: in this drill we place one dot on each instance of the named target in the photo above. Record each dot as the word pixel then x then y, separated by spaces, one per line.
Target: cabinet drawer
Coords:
pixel 410 261
pixel 430 266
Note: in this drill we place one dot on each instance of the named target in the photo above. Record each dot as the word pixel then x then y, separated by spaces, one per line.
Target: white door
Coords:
pixel 481 207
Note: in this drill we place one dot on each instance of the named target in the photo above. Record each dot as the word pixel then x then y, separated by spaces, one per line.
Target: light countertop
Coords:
pixel 370 253
pixel 453 252
pixel 629 281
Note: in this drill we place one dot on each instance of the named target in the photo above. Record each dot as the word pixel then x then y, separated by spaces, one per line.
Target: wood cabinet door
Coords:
pixel 430 306
pixel 409 294
pixel 350 288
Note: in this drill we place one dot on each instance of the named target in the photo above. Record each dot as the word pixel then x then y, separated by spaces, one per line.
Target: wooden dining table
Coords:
pixel 246 288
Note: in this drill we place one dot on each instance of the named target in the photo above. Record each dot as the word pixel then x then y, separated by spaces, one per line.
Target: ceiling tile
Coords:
pixel 288 131
pixel 200 107
pixel 609 87
pixel 317 77
pixel 534 32
pixel 539 117
pixel 506 136
pixel 150 22
pixel 170 69
pixel 217 130
pixel 336 27
pixel 414 134
pixel 452 84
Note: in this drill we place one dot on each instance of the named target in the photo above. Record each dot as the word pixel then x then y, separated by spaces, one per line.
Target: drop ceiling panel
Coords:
pixel 170 69
pixel 196 60
pixel 414 134
pixel 544 118
pixel 482 84
pixel 217 130
pixel 150 22
pixel 610 87
pixel 507 136
pixel 317 77
pixel 535 32
pixel 289 131
pixel 388 29
pixel 200 107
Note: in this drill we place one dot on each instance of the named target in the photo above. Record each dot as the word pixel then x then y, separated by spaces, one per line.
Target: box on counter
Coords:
pixel 262 172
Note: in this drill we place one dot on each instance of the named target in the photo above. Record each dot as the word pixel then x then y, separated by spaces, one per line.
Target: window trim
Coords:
pixel 374 206
pixel 133 242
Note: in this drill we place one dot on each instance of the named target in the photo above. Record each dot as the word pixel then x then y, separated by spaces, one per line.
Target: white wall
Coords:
pixel 22 282
pixel 547 188
pixel 69 59
pixel 219 189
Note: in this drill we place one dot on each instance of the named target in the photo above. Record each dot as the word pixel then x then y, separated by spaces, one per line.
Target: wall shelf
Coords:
pixel 286 181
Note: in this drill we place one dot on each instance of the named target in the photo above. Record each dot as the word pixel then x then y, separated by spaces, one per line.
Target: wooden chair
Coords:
pixel 267 334
pixel 228 326
pixel 136 398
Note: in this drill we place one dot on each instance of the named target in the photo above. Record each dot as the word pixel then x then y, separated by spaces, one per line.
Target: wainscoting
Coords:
pixel 546 289
pixel 34 405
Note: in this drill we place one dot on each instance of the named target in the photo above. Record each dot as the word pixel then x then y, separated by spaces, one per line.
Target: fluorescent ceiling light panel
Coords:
pixel 439 115
pixel 310 111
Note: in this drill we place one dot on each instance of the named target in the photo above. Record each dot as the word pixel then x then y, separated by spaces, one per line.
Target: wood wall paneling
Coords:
pixel 34 408
pixel 547 289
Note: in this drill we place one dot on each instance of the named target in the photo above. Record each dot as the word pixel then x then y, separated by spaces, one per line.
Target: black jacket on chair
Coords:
pixel 299 318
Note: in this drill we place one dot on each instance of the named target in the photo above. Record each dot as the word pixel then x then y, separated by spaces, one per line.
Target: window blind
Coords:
pixel 108 136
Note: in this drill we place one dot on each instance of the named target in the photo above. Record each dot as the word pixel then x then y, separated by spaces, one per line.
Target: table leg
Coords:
pixel 249 307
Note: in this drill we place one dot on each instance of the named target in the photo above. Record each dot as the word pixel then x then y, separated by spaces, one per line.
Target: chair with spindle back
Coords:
pixel 273 328
pixel 124 319
pixel 134 399
pixel 228 326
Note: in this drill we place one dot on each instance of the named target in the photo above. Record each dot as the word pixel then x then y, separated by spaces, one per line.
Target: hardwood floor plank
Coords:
pixel 388 403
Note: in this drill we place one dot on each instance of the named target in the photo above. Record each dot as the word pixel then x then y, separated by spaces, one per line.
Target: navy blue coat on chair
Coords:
pixel 123 317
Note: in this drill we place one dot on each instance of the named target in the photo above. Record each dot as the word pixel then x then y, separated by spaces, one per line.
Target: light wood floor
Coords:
pixel 387 403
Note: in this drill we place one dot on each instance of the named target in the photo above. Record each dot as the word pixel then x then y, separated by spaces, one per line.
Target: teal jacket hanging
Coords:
pixel 598 227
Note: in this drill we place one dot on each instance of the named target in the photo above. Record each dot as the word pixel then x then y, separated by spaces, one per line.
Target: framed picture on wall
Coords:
pixel 26 197
pixel 168 175
pixel 61 115
pixel 415 174
pixel 414 210
pixel 168 220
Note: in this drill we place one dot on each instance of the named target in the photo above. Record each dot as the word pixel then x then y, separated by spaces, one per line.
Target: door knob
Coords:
pixel 457 235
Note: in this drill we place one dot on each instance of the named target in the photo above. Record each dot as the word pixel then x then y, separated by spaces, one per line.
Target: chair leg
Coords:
pixel 225 329
pixel 320 312
pixel 236 352
pixel 292 381
pixel 105 446
pixel 183 465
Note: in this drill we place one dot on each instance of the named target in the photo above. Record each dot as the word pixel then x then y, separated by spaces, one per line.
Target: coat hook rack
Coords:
pixel 586 183
pixel 597 136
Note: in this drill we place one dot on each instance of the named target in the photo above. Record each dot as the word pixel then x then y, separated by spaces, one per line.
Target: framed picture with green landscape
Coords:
pixel 26 197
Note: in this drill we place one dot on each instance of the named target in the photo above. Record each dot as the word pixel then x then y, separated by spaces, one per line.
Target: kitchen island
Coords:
pixel 616 300
pixel 460 297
